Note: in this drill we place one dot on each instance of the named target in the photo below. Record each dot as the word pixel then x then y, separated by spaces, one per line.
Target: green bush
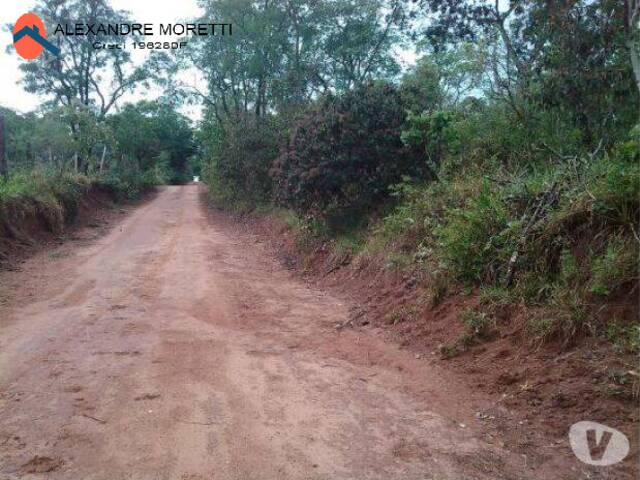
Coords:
pixel 626 337
pixel 420 210
pixel 492 134
pixel 478 323
pixel 581 250
pixel 344 154
pixel 58 190
pixel 614 268
pixel 473 238
pixel 242 153
pixel 434 134
pixel 129 184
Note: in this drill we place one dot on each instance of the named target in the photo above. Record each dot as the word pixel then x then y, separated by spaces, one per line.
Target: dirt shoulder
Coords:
pixel 29 225
pixel 537 391
pixel 38 251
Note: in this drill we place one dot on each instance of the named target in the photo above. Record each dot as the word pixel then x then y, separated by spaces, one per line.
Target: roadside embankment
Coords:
pixel 36 209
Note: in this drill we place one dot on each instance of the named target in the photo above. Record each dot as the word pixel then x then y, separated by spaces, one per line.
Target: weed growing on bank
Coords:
pixel 52 199
pixel 559 239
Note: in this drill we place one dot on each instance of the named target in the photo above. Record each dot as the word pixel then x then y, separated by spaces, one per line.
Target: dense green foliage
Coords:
pixel 146 138
pixel 282 54
pixel 78 130
pixel 344 154
pixel 281 58
pixel 153 136
pixel 506 159
pixel 561 236
pixel 67 188
pixel 241 155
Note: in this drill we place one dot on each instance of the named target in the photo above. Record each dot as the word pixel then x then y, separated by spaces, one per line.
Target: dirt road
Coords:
pixel 174 348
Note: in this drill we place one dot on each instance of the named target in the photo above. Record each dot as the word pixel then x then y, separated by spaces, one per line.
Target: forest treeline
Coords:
pixel 504 159
pixel 57 159
pixel 146 143
pixel 84 136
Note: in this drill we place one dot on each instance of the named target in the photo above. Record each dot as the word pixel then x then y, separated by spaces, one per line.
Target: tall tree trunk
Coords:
pixel 4 169
pixel 635 61
pixel 259 97
pixel 104 152
pixel 631 18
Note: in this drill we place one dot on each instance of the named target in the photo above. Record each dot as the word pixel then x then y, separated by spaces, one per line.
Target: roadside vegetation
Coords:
pixel 78 143
pixel 51 170
pixel 505 162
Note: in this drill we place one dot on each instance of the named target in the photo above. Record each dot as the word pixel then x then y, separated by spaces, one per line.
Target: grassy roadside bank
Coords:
pixel 559 243
pixel 557 341
pixel 38 206
pixel 545 384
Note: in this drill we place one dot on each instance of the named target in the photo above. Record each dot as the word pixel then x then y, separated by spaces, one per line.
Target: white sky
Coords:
pixel 12 94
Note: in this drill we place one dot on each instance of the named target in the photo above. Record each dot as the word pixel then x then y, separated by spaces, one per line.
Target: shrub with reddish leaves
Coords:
pixel 345 153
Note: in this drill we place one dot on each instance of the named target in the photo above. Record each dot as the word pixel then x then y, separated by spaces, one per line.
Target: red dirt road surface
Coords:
pixel 175 348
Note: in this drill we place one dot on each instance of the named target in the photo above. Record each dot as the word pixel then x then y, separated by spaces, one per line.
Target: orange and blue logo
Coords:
pixel 29 37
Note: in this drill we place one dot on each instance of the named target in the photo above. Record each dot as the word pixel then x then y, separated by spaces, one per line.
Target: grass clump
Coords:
pixel 348 244
pixel 478 323
pixel 437 288
pixel 615 267
pixel 402 314
pixel 624 337
pixel 560 238
pixel 471 238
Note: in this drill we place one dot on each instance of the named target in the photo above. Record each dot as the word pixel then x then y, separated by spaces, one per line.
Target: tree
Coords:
pixel 345 153
pixel 444 78
pixel 77 78
pixel 359 43
pixel 150 133
pixel 33 140
pixel 90 134
pixel 557 54
pixel 79 73
pixel 282 54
